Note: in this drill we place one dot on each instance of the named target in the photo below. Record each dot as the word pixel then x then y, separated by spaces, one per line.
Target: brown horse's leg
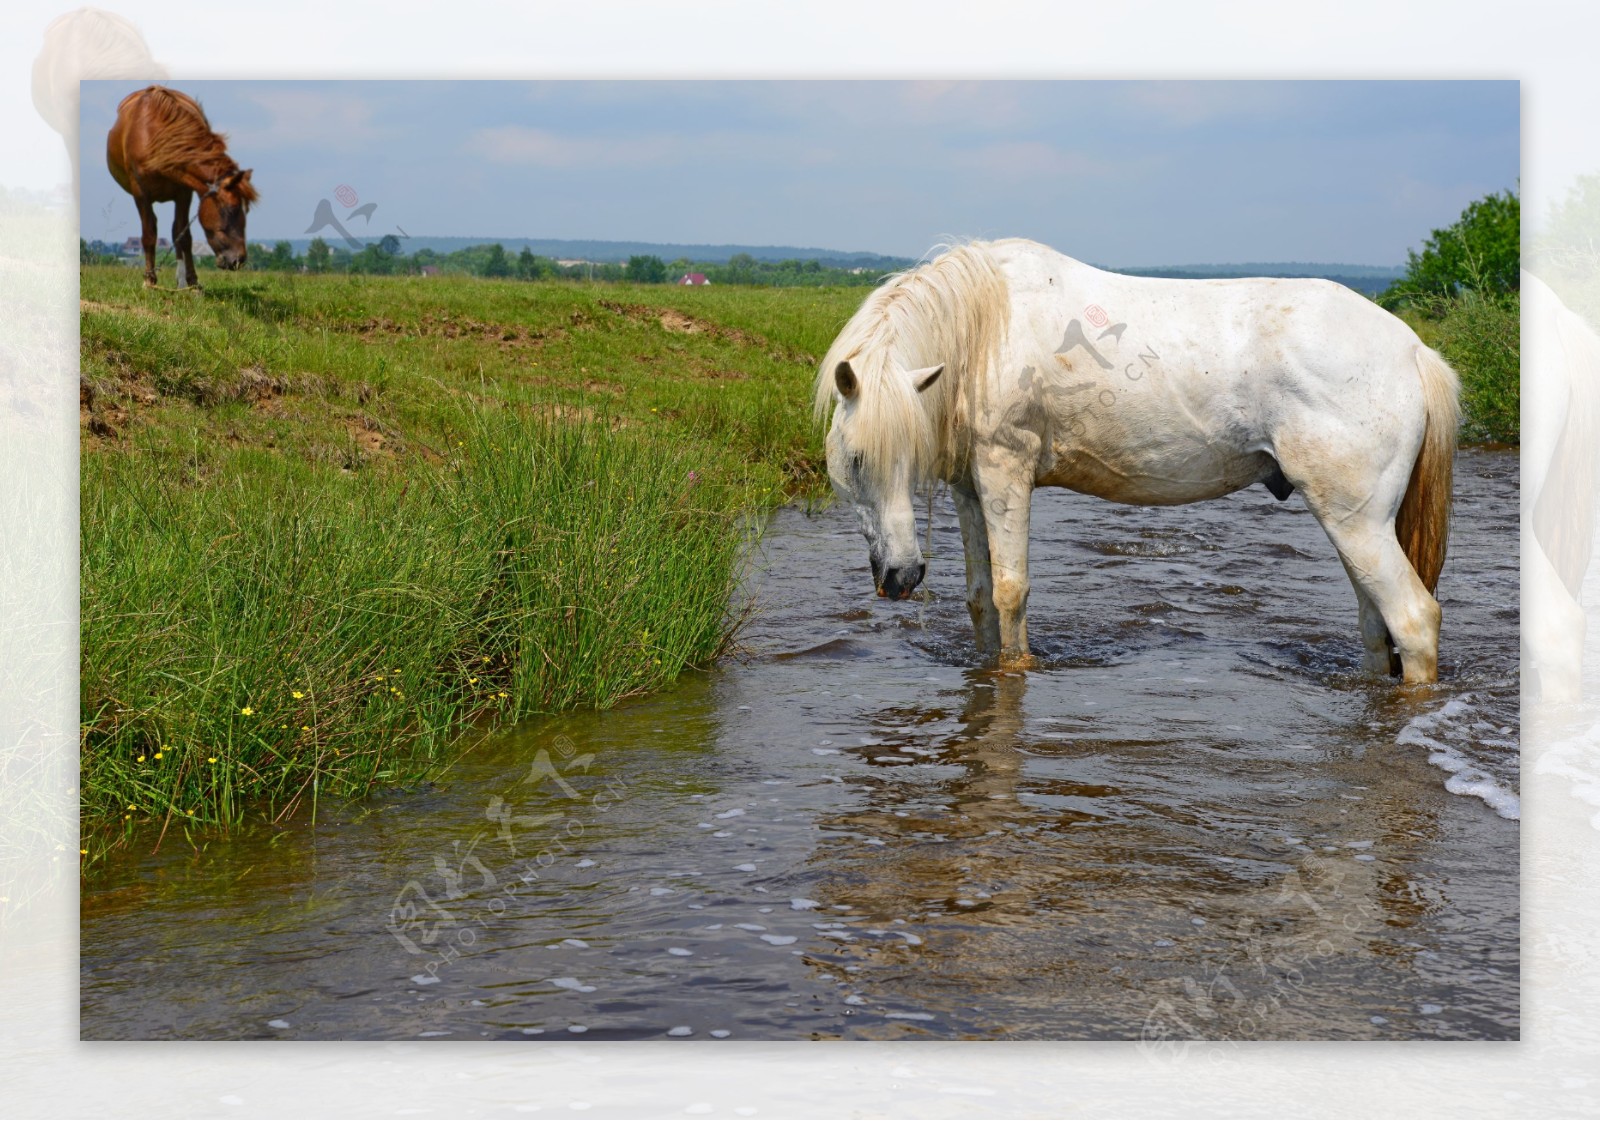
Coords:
pixel 183 241
pixel 147 237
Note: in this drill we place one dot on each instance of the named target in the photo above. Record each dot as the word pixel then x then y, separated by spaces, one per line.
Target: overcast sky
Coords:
pixel 1118 173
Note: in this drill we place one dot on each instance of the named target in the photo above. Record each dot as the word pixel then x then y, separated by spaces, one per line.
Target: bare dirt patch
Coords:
pixel 446 326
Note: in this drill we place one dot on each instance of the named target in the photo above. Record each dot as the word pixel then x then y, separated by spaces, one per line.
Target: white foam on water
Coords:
pixel 778 939
pixel 572 983
pixel 1466 777
pixel 1577 759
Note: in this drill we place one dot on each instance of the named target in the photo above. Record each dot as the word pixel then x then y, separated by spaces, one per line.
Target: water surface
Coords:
pixel 1195 820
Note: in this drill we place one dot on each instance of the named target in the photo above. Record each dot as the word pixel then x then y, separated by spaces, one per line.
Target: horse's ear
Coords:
pixel 922 379
pixel 845 378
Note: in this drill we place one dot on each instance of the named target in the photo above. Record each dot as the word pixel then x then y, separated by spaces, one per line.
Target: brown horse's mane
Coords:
pixel 183 139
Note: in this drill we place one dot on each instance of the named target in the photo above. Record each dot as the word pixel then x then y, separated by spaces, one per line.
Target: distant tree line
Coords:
pixel 388 258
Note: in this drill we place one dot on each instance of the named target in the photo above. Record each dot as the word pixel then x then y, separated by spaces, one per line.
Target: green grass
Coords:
pixel 332 524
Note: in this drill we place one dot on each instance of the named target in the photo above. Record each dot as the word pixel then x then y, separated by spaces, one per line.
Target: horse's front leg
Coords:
pixel 183 241
pixel 1005 492
pixel 980 576
pixel 147 238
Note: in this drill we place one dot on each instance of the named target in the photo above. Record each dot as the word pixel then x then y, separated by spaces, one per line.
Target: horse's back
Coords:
pixel 1168 390
pixel 144 146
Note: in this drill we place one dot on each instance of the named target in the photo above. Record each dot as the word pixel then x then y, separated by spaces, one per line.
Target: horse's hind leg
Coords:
pixel 1383 577
pixel 980 576
pixel 147 238
pixel 1381 657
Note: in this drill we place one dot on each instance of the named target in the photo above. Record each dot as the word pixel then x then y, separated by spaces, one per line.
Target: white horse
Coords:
pixel 1004 366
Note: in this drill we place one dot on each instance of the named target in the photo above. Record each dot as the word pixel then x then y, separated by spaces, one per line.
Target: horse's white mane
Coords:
pixel 953 311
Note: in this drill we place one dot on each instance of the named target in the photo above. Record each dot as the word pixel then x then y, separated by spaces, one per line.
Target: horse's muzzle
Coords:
pixel 898 583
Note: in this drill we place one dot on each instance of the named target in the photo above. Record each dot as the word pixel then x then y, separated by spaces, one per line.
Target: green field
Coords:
pixel 330 524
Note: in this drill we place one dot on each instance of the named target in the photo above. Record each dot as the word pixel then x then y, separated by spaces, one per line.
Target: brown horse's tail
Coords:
pixel 1423 523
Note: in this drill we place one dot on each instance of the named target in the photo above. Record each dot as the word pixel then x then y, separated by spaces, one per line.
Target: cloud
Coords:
pixel 1009 159
pixel 309 118
pixel 1187 104
pixel 537 147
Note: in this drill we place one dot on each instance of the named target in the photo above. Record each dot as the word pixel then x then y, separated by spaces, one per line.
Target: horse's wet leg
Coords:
pixel 1409 614
pixel 1380 658
pixel 1005 503
pixel 980 578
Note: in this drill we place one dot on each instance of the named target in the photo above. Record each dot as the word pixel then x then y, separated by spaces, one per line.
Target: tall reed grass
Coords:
pixel 283 632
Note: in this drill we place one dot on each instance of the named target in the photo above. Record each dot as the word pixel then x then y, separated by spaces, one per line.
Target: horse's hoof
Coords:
pixel 1018 662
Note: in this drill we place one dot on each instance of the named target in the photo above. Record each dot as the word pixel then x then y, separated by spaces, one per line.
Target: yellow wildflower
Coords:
pixel 472 681
pixel 158 755
pixel 247 711
pixel 140 759
pixel 213 759
pixel 298 695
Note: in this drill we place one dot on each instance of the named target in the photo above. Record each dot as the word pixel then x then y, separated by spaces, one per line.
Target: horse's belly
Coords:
pixel 1170 478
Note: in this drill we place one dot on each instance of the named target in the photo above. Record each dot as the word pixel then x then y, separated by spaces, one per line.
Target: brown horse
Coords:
pixel 162 149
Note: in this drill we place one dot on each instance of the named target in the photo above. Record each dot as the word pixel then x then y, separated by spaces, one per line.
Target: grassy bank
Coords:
pixel 330 523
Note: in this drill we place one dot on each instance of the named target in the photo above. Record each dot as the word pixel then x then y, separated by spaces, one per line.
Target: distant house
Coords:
pixel 428 270
pixel 134 247
pixel 694 278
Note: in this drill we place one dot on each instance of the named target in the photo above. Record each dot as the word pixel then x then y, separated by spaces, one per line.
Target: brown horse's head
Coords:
pixel 223 206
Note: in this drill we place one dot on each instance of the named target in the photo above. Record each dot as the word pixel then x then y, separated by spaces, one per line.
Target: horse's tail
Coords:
pixel 1423 522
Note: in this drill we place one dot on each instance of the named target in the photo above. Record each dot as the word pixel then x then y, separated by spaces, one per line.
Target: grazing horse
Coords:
pixel 162 149
pixel 1004 366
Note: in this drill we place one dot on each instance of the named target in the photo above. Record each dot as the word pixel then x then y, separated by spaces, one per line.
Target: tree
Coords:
pixel 527 265
pixel 317 256
pixel 647 269
pixel 495 264
pixel 390 245
pixel 282 257
pixel 1481 252
pixel 741 268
